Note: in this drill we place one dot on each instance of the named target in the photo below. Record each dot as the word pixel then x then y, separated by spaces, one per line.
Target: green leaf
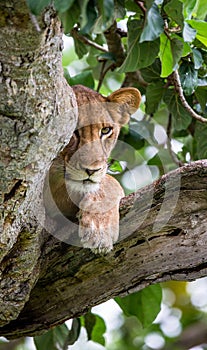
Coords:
pixel 37 6
pixel 188 77
pixel 154 93
pixel 201 95
pixel 200 9
pixel 162 159
pixel 107 9
pixel 149 3
pixel 80 48
pixel 85 78
pixel 115 166
pixel 95 327
pixel 198 59
pixel 133 138
pixel 143 129
pixel 188 7
pixel 174 9
pixel 88 16
pixel 166 56
pixel 171 50
pixel 201 28
pixel 201 140
pixel 145 305
pixel 70 17
pixel 74 332
pixel 137 57
pixel 63 5
pixel 177 50
pixel 119 9
pixel 53 339
pixel 152 72
pixel 154 25
pixel 181 118
pixel 189 33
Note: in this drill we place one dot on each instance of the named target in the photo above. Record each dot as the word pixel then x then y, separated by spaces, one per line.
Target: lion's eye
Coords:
pixel 106 131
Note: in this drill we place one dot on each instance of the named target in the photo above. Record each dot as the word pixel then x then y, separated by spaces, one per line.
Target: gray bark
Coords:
pixel 36 119
pixel 45 281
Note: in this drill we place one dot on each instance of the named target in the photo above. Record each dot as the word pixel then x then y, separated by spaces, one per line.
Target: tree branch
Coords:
pixel 163 237
pixel 84 40
pixel 179 90
pixel 114 43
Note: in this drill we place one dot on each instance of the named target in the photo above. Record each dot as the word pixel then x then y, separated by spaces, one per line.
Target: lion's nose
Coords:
pixel 91 171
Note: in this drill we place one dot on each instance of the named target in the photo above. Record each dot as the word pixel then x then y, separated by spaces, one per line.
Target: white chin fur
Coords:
pixel 81 187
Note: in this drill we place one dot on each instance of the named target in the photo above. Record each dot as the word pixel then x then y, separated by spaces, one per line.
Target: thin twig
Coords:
pixel 141 6
pixel 169 144
pixel 103 73
pixel 179 90
pixel 83 39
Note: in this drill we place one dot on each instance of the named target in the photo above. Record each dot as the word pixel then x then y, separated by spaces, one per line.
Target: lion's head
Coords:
pixel 99 121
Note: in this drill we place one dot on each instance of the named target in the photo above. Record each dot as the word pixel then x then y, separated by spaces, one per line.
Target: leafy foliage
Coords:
pixel 151 40
pixel 59 337
pixel 145 304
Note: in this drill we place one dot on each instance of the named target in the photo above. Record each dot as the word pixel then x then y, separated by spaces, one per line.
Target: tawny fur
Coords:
pixel 78 183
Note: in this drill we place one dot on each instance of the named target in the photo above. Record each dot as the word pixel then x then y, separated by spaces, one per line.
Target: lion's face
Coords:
pixel 99 123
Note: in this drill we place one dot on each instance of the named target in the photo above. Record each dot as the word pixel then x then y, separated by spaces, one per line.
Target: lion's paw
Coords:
pixel 96 233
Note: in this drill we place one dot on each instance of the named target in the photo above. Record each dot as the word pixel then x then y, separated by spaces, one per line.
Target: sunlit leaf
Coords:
pixel 174 9
pixel 188 77
pixel 114 166
pixel 95 327
pixel 166 56
pixel 181 117
pixel 145 305
pixel 154 25
pixel 201 28
pixel 200 9
pixel 37 6
pixel 139 55
pixel 188 6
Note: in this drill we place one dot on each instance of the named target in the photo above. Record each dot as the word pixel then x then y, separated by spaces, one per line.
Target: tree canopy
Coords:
pixel 160 47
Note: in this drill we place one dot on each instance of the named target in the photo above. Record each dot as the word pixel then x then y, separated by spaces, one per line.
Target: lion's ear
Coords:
pixel 128 98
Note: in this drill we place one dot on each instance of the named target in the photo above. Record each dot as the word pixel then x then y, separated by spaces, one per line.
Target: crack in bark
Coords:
pixel 13 191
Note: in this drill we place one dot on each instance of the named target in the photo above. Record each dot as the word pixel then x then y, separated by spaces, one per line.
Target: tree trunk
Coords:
pixel 36 117
pixel 44 280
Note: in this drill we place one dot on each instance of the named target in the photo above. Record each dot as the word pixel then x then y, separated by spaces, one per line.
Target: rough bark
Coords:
pixel 36 119
pixel 163 237
pixel 45 281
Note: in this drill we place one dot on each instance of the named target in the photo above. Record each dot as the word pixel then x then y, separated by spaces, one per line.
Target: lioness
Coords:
pixel 78 181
